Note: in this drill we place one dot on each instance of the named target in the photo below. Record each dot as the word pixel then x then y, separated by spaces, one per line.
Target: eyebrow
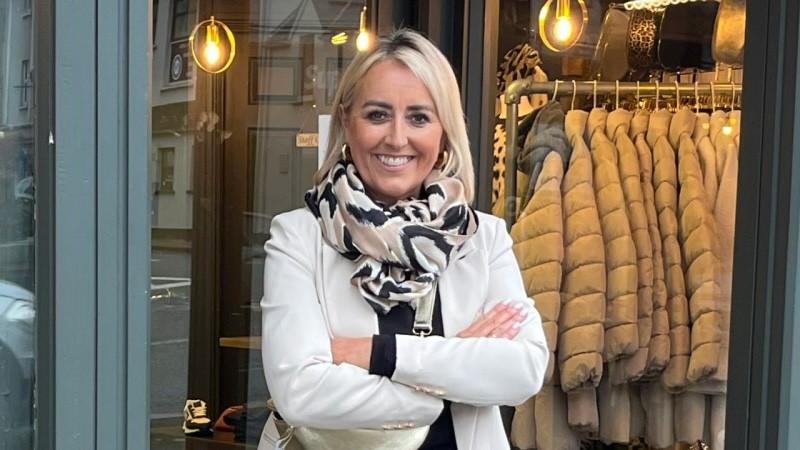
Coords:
pixel 382 104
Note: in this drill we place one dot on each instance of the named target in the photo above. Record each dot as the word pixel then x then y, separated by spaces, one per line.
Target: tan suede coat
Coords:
pixel 617 127
pixel 698 236
pixel 665 185
pixel 621 332
pixel 539 248
pixel 580 341
pixel 658 352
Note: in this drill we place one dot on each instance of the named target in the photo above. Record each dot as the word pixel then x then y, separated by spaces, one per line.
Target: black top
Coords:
pixel 400 320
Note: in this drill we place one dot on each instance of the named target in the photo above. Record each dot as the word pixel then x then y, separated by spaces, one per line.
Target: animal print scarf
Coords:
pixel 401 249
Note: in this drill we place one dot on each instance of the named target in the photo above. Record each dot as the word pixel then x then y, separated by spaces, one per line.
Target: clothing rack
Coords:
pixel 519 88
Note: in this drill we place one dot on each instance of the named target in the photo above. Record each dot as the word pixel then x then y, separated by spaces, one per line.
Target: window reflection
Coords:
pixel 228 152
pixel 17 306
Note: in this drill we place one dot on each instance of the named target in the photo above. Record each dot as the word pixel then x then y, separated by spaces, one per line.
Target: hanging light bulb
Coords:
pixel 214 52
pixel 559 28
pixel 363 39
pixel 563 29
pixel 211 50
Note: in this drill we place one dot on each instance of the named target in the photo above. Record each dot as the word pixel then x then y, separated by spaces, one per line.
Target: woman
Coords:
pixel 387 226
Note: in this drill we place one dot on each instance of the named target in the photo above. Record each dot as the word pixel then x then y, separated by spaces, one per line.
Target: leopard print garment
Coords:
pixel 519 63
pixel 499 165
pixel 642 42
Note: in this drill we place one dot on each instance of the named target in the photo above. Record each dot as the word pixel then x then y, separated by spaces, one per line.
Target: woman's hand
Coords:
pixel 355 351
pixel 503 321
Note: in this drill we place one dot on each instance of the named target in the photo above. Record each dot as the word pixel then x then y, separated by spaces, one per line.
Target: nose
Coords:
pixel 397 136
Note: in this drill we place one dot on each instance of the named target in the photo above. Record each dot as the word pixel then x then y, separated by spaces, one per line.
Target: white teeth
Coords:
pixel 394 160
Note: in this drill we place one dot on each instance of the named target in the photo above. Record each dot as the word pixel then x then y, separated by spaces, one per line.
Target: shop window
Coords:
pixel 155 20
pixel 183 15
pixel 166 170
pixel 25 83
pixel 622 129
pixel 183 12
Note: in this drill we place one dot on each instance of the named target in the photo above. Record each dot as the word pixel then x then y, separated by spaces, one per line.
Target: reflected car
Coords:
pixel 17 315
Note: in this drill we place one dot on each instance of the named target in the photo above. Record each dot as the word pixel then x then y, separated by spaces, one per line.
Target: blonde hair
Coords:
pixel 430 65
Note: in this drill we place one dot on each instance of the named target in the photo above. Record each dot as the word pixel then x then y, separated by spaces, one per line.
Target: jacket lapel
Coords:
pixel 347 313
pixel 462 289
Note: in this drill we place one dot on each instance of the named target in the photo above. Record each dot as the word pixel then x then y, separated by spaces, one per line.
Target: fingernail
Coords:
pixel 521 323
pixel 519 305
pixel 505 302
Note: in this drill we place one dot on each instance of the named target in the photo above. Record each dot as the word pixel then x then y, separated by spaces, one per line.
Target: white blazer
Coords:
pixel 308 299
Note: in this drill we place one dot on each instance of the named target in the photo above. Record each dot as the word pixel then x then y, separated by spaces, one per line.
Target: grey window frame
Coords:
pixel 93 273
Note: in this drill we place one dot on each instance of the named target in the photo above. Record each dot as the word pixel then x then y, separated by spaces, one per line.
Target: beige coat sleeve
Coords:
pixel 665 186
pixel 539 247
pixel 698 235
pixel 580 340
pixel 617 126
pixel 621 332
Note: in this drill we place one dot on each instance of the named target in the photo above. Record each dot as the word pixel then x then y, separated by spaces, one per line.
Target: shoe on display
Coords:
pixel 195 418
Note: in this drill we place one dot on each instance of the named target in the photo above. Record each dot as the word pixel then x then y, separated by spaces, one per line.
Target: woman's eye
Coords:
pixel 377 116
pixel 419 119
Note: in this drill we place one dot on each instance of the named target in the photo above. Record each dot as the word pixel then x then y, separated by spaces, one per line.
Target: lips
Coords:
pixel 394 161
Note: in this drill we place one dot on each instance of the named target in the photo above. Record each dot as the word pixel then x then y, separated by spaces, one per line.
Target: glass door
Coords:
pixel 230 150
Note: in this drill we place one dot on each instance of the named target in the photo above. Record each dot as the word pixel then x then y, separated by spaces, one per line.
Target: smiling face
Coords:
pixel 393 132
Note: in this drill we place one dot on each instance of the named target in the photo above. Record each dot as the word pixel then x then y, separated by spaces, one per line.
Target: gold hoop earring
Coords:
pixel 344 152
pixel 444 158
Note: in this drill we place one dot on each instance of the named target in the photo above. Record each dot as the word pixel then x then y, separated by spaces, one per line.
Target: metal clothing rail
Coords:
pixel 519 88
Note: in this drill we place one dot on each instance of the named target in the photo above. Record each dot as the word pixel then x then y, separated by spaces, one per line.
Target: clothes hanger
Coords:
pixel 574 93
pixel 658 87
pixel 713 97
pixel 555 89
pixel 616 94
pixel 594 94
pixel 638 97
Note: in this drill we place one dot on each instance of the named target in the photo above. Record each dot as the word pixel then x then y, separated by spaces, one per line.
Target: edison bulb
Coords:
pixel 563 29
pixel 362 41
pixel 211 53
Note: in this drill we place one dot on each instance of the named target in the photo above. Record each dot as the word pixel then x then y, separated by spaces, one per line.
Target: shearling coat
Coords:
pixel 698 235
pixel 665 185
pixel 621 332
pixel 617 126
pixel 308 299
